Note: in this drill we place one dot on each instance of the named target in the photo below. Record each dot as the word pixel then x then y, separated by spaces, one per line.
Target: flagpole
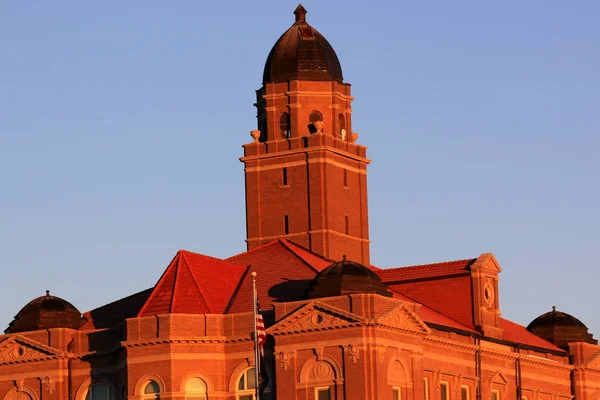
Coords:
pixel 256 355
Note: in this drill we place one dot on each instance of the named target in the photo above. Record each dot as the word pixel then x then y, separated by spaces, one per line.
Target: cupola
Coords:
pixel 560 329
pixel 302 53
pixel 46 312
pixel 346 277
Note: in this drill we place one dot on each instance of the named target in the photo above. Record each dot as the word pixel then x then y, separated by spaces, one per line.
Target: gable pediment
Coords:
pixel 487 263
pixel 18 349
pixel 403 318
pixel 315 316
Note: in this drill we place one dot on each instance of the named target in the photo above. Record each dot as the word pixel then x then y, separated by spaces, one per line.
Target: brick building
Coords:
pixel 338 327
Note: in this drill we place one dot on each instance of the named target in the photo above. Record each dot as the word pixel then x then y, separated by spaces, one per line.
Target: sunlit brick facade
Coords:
pixel 434 331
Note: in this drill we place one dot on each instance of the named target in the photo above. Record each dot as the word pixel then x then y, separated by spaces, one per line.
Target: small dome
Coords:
pixel 46 312
pixel 302 53
pixel 560 329
pixel 346 277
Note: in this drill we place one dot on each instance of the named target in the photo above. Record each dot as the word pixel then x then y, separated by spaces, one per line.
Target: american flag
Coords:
pixel 261 334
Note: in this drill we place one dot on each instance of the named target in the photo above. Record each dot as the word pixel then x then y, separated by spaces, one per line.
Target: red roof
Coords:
pixel 421 283
pixel 194 284
pixel 519 334
pixel 425 271
pixel 284 270
pixel 198 284
pixel 431 316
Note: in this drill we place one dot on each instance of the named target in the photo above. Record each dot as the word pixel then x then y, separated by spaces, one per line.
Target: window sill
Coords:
pixel 284 186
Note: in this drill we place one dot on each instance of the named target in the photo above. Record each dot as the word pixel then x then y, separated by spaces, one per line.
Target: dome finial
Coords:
pixel 553 309
pixel 344 257
pixel 47 292
pixel 300 13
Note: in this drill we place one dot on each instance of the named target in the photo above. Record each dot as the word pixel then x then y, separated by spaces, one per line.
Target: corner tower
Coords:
pixel 306 177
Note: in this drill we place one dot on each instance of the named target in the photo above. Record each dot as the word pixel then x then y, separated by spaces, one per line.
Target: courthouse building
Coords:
pixel 338 327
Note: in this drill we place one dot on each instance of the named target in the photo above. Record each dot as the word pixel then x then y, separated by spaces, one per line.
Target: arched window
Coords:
pixel 341 122
pixel 315 116
pixel 151 390
pixel 100 391
pixel 284 125
pixel 397 379
pixel 312 119
pixel 195 389
pixel 246 385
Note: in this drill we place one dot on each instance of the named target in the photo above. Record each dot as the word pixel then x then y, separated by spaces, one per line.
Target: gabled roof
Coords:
pixel 425 271
pixel 194 284
pixel 431 316
pixel 198 284
pixel 284 270
pixel 423 284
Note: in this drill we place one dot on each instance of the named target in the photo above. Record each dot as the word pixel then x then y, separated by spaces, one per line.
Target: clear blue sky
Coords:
pixel 121 124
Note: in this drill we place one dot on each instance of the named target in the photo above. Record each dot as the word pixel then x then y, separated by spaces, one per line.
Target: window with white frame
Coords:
pixel 323 393
pixel 100 391
pixel 246 388
pixel 151 390
pixel 195 389
pixel 444 391
pixel 426 388
pixel 396 393
pixel 495 395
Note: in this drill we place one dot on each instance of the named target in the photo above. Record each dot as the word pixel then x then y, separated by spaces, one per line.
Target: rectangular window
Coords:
pixel 464 393
pixel 347 226
pixel 396 394
pixel 495 395
pixel 444 392
pixel 286 224
pixel 426 388
pixel 284 177
pixel 322 393
pixel 346 177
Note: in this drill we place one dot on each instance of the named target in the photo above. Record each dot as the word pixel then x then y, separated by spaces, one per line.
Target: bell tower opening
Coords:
pixel 304 167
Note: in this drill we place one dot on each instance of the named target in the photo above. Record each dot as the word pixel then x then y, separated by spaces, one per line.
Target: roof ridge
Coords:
pixel 307 249
pixel 431 308
pixel 252 250
pixel 201 254
pixel 196 283
pixel 160 280
pixel 431 264
pixel 237 289
pixel 174 290
pixel 287 246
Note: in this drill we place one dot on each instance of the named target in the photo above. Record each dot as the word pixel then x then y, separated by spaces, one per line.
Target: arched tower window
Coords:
pixel 315 120
pixel 315 116
pixel 151 390
pixel 195 389
pixel 341 122
pixel 284 125
pixel 246 385
pixel 100 391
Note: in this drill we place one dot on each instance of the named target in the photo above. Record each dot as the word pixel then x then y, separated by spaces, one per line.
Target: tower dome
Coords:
pixel 346 277
pixel 560 329
pixel 46 312
pixel 302 53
